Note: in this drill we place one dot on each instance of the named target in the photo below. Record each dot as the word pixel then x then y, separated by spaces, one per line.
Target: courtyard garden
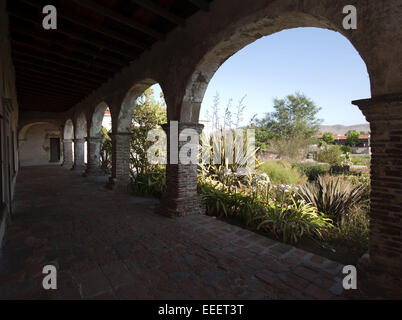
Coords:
pixel 307 206
pixel 320 204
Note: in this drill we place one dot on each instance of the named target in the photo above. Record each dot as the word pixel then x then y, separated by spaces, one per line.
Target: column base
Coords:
pixel 79 168
pixel 67 165
pixel 118 185
pixel 94 172
pixel 180 207
pixel 375 282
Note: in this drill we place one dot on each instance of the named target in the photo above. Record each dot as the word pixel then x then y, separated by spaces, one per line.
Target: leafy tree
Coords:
pixel 294 119
pixel 352 138
pixel 346 149
pixel 106 150
pixel 328 137
pixel 332 155
pixel 148 114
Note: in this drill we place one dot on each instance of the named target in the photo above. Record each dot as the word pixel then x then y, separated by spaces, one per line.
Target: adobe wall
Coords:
pixel 34 144
pixel 8 121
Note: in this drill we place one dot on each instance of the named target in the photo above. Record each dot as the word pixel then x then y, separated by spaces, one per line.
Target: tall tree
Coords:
pixel 328 137
pixel 294 119
pixel 148 114
pixel 352 138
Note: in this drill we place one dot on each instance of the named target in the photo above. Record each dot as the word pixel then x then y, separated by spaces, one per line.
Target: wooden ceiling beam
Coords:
pixel 46 84
pixel 45 88
pixel 79 37
pixel 23 94
pixel 106 32
pixel 55 81
pixel 91 53
pixel 57 91
pixel 28 96
pixel 53 76
pixel 160 11
pixel 35 94
pixel 58 63
pixel 202 4
pixel 65 57
pixel 119 18
pixel 44 67
pixel 59 95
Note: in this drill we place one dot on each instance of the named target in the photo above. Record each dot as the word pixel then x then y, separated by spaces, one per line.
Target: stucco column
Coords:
pixel 121 143
pixel 181 197
pixel 79 163
pixel 384 263
pixel 68 153
pixel 93 156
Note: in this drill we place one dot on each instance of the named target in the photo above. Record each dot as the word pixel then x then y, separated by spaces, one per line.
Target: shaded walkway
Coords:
pixel 110 245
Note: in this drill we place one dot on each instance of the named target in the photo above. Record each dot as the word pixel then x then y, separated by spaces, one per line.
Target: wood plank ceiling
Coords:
pixel 55 69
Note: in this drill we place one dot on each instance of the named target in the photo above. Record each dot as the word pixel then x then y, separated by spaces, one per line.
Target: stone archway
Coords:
pixel 68 136
pixel 68 130
pixel 384 113
pixel 243 36
pixel 80 133
pixel 222 45
pixel 128 104
pixel 121 137
pixel 94 140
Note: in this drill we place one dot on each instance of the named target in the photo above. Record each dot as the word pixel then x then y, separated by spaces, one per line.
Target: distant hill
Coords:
pixel 341 130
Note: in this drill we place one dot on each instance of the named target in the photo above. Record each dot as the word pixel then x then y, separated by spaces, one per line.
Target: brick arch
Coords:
pixel 239 36
pixel 68 132
pixel 24 130
pixel 95 125
pixel 128 104
pixel 121 136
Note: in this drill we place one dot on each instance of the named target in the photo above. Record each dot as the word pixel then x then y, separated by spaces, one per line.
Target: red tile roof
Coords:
pixel 336 137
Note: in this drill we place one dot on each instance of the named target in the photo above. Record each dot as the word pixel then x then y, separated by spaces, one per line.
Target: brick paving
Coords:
pixel 109 245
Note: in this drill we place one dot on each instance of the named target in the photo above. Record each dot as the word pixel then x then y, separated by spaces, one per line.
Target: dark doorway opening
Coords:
pixel 54 149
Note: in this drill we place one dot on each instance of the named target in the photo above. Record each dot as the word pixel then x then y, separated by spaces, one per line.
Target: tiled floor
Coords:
pixel 108 245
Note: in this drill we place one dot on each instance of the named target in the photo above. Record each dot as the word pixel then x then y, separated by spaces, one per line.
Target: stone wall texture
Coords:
pixel 34 145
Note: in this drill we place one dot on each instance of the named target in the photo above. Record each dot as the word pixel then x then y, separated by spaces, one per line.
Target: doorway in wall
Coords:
pixel 54 149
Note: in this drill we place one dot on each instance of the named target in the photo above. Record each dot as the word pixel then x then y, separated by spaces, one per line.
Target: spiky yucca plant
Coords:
pixel 332 196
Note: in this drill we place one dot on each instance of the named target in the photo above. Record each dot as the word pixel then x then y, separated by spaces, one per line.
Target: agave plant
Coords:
pixel 332 196
pixel 228 161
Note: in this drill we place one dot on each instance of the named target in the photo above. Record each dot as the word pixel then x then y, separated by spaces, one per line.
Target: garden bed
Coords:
pixel 339 254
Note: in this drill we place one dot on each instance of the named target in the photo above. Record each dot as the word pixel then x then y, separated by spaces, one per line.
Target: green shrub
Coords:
pixel 218 202
pixel 346 149
pixel 292 222
pixel 361 160
pixel 353 231
pixel 287 219
pixel 332 155
pixel 106 151
pixel 280 172
pixel 152 183
pixel 339 169
pixel 332 196
pixel 312 170
pixel 361 179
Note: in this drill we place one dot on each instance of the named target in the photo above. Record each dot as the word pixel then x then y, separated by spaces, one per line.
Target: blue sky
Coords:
pixel 320 63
